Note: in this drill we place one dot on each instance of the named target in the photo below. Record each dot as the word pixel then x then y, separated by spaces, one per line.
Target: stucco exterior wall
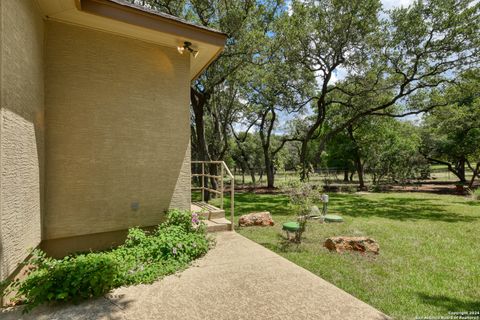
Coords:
pixel 117 139
pixel 21 131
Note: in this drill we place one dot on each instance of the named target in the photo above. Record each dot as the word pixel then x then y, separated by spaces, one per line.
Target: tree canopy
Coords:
pixel 330 81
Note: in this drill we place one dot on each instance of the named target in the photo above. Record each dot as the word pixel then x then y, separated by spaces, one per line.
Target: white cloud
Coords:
pixel 390 4
pixel 289 8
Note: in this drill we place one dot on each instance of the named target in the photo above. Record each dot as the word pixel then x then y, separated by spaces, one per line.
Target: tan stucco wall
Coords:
pixel 118 132
pixel 59 248
pixel 21 131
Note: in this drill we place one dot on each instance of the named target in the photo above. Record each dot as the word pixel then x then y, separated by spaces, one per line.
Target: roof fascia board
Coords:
pixel 148 20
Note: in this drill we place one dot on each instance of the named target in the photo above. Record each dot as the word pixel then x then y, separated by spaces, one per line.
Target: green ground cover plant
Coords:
pixel 143 258
pixel 428 261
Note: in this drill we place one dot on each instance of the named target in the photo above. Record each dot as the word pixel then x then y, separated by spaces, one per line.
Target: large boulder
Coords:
pixel 256 219
pixel 361 244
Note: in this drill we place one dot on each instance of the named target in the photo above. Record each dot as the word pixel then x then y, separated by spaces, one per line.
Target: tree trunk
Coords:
pixel 458 171
pixel 265 138
pixel 198 101
pixel 357 159
pixel 345 175
pixel 252 175
pixel 359 167
pixel 270 170
pixel 303 159
pixel 476 172
pixel 245 157
pixel 460 168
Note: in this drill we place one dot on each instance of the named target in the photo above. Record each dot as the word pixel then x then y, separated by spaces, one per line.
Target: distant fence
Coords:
pixel 331 174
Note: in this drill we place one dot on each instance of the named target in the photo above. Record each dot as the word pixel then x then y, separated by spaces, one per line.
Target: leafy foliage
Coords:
pixel 390 65
pixel 296 75
pixel 390 149
pixel 303 196
pixel 451 134
pixel 143 258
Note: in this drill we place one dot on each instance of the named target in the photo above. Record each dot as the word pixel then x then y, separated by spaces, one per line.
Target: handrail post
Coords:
pixel 224 170
pixel 232 188
pixel 203 181
pixel 221 186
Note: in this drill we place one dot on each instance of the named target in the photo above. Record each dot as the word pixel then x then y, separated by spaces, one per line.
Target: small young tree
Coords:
pixel 303 196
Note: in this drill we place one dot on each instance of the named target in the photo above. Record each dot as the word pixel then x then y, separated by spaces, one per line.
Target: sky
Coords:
pixel 389 4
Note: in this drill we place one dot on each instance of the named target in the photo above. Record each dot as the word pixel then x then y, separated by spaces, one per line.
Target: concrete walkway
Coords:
pixel 238 279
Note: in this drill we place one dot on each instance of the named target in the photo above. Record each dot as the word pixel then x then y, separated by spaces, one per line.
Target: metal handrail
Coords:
pixel 223 168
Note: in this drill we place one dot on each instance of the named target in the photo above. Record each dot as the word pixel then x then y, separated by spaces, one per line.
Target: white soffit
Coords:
pixel 114 17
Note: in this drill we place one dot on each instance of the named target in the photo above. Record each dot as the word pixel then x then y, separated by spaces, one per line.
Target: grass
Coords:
pixel 429 249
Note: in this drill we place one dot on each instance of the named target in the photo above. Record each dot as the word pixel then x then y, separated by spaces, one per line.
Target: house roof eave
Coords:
pixel 121 18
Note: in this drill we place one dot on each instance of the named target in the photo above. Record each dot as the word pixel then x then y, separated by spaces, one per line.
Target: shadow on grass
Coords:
pixel 282 245
pixel 449 304
pixel 390 207
pixel 469 203
pixel 402 209
pixel 250 202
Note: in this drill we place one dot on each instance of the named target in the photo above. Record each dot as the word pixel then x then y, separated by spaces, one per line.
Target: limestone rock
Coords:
pixel 256 219
pixel 361 244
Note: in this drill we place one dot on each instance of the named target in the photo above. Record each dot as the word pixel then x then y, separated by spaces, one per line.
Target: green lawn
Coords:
pixel 429 249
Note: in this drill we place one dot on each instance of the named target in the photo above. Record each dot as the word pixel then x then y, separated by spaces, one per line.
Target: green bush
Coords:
pixel 71 278
pixel 143 258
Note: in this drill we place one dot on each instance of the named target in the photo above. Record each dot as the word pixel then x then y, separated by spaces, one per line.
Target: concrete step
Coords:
pixel 207 210
pixel 213 214
pixel 217 225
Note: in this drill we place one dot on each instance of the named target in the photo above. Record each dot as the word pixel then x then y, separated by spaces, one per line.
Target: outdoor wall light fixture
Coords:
pixel 187 46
